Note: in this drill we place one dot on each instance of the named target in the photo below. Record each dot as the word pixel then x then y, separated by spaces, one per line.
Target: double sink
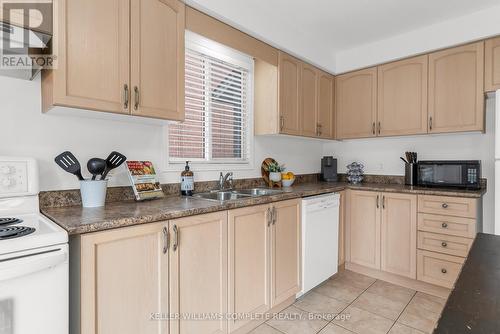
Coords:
pixel 229 195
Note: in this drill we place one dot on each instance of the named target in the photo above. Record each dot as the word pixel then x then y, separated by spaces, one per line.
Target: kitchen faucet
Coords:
pixel 225 178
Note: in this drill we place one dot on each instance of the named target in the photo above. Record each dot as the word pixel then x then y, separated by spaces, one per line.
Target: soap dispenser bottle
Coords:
pixel 187 181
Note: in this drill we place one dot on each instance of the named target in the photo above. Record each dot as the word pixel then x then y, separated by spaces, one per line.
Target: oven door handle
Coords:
pixel 29 264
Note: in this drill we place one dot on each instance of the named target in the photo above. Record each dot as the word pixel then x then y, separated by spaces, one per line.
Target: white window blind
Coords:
pixel 216 126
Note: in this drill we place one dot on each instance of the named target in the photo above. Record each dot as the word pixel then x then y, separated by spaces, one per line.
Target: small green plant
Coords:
pixel 275 167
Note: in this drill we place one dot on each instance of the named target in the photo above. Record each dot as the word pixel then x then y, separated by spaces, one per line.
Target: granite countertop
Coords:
pixel 77 220
pixel 474 304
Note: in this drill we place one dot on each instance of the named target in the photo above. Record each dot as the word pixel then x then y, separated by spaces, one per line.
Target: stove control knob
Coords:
pixel 5 170
pixel 7 182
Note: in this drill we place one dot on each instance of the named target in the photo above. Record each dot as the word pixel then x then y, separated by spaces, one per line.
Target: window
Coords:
pixel 218 95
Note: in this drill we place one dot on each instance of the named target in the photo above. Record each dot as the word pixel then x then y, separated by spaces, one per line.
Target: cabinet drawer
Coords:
pixel 443 243
pixel 458 226
pixel 448 206
pixel 438 269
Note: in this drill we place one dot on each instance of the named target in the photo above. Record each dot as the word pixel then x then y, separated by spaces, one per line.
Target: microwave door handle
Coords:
pixel 17 267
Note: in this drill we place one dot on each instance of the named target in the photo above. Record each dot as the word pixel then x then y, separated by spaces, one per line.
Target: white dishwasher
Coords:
pixel 320 235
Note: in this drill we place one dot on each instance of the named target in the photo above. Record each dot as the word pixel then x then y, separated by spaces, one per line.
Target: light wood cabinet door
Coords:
pixel 356 104
pixel 285 248
pixel 249 262
pixel 492 64
pixel 402 97
pixel 289 94
pixel 124 278
pixel 326 119
pixel 157 58
pixel 342 217
pixel 198 272
pixel 399 234
pixel 456 79
pixel 309 101
pixel 364 228
pixel 93 56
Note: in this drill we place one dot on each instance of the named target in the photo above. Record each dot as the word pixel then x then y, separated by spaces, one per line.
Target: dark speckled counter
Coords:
pixel 77 220
pixel 474 304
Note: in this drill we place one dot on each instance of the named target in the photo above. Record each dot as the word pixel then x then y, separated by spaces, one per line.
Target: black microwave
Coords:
pixel 449 173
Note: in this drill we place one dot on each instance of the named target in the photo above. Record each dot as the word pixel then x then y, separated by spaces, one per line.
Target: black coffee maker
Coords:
pixel 329 169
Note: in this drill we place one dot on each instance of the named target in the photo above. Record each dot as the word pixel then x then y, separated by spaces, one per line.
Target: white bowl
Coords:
pixel 287 183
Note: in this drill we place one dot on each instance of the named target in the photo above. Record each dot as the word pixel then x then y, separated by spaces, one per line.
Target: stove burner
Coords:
pixel 11 232
pixel 10 221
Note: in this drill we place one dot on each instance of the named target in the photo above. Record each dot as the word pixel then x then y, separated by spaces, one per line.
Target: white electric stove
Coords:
pixel 33 256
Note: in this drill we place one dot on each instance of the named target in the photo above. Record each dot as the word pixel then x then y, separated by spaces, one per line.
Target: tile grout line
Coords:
pixel 350 304
pixel 404 308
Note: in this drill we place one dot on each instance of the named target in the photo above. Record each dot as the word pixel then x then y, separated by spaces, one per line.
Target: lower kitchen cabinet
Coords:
pixel 364 228
pixel 383 231
pixel 249 262
pixel 198 272
pixel 123 279
pixel 286 250
pixel 399 234
pixel 242 261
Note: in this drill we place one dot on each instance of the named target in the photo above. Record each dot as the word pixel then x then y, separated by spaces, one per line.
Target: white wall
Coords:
pixel 25 131
pixel 475 26
pixel 381 155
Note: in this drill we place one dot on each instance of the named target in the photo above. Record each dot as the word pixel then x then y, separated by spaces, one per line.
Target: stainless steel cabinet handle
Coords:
pixel 379 127
pixel 383 202
pixel 444 225
pixel 125 96
pixel 136 97
pixel 430 123
pixel 373 127
pixel 176 238
pixel 275 215
pixel 378 198
pixel 165 240
pixel 444 271
pixel 282 122
pixel 320 132
pixel 444 244
pixel 444 205
pixel 268 213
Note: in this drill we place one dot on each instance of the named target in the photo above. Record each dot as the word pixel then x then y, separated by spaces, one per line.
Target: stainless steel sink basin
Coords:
pixel 221 196
pixel 258 191
pixel 229 195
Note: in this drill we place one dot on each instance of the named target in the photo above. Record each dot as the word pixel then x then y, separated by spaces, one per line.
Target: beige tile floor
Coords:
pixel 353 303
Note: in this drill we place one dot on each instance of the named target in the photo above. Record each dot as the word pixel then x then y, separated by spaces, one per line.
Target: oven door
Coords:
pixel 34 291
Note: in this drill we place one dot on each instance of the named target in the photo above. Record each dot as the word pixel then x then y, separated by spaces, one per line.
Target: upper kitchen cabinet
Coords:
pixel 289 91
pixel 93 56
pixel 492 64
pixel 106 63
pixel 356 104
pixel 456 78
pixel 309 101
pixel 402 97
pixel 326 115
pixel 157 62
pixel 293 98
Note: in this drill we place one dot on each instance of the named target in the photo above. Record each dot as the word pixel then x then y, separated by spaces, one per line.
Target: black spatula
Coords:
pixel 70 164
pixel 115 159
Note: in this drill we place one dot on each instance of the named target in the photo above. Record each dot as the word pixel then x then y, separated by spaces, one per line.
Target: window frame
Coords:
pixel 214 49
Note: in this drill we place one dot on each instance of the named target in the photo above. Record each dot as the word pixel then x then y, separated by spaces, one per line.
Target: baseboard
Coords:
pixel 399 280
